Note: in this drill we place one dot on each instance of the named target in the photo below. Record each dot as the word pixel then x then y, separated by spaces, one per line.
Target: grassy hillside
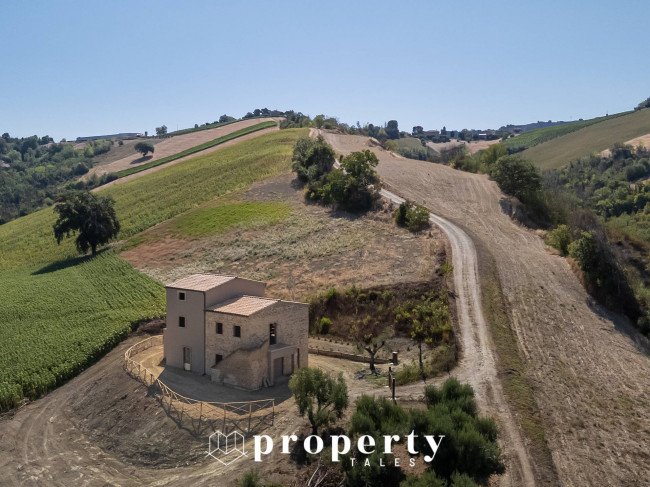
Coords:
pixel 595 138
pixel 539 136
pixel 61 312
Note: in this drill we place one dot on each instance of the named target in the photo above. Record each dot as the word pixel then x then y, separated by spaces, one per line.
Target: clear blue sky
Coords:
pixel 81 68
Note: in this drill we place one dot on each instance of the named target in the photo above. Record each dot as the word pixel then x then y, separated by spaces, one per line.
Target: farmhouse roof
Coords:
pixel 201 282
pixel 243 305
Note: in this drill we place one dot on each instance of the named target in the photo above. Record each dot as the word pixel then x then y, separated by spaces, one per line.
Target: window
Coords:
pixel 237 331
pixel 181 296
pixel 217 358
pixel 181 321
pixel 219 328
pixel 273 337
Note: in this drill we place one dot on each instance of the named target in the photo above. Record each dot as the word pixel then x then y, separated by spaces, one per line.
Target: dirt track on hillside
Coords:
pixel 589 369
pixel 176 144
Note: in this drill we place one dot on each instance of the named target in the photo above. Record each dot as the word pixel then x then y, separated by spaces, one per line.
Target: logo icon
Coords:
pixel 226 449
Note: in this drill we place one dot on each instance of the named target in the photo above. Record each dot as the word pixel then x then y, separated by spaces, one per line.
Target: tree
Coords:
pixel 318 121
pixel 318 396
pixel 312 159
pixel 89 216
pixel 161 131
pixel 644 104
pixel 368 341
pixel 516 176
pixel 226 118
pixel 429 323
pixel 144 147
pixel 492 154
pixel 392 129
pixel 418 129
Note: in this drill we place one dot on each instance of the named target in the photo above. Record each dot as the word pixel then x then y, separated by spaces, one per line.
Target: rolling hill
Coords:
pixel 62 312
pixel 596 137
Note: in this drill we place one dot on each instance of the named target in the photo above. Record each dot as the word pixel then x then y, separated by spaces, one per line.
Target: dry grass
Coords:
pixel 595 138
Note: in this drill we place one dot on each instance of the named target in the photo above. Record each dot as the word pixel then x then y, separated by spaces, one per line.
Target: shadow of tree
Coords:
pixel 64 264
pixel 141 159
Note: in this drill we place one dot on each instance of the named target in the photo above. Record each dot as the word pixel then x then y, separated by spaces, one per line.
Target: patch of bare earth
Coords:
pixel 588 368
pixel 312 250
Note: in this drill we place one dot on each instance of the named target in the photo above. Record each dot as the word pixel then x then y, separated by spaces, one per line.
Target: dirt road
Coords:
pixel 477 365
pixel 589 369
pixel 176 144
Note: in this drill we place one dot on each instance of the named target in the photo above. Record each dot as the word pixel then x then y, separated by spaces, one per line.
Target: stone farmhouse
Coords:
pixel 225 327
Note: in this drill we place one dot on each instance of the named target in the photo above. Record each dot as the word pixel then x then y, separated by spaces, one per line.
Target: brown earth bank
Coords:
pixel 588 368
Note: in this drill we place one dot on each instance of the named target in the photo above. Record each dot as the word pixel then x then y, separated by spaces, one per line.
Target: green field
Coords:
pixel 217 219
pixel 595 138
pixel 196 148
pixel 539 136
pixel 61 312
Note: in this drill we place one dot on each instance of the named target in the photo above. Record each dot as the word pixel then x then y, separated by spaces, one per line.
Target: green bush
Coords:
pixel 516 176
pixel 584 252
pixel 560 238
pixel 325 324
pixel 469 453
pixel 412 216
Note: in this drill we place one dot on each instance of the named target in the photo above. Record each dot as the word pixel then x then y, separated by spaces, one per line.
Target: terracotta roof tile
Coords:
pixel 200 282
pixel 243 305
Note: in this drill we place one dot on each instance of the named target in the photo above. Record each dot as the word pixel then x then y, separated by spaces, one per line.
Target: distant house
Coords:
pixel 225 327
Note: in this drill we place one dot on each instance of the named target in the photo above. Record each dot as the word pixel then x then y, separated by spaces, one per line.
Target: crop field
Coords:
pixel 595 138
pixel 60 312
pixel 539 136
pixel 197 148
pixel 57 321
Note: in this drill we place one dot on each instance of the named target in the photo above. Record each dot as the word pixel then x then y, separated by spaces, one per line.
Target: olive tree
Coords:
pixel 319 397
pixel 144 147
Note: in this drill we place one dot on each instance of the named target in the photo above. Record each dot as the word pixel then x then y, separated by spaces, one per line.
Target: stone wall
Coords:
pixel 245 359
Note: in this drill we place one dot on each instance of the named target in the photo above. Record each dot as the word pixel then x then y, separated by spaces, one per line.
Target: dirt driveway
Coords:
pixel 589 369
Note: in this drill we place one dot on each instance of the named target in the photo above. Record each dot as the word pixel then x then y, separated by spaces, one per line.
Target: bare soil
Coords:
pixel 589 368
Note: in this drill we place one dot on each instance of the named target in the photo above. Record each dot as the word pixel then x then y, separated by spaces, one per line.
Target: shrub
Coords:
pixel 325 324
pixel 312 159
pixel 584 252
pixel 560 238
pixel 412 216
